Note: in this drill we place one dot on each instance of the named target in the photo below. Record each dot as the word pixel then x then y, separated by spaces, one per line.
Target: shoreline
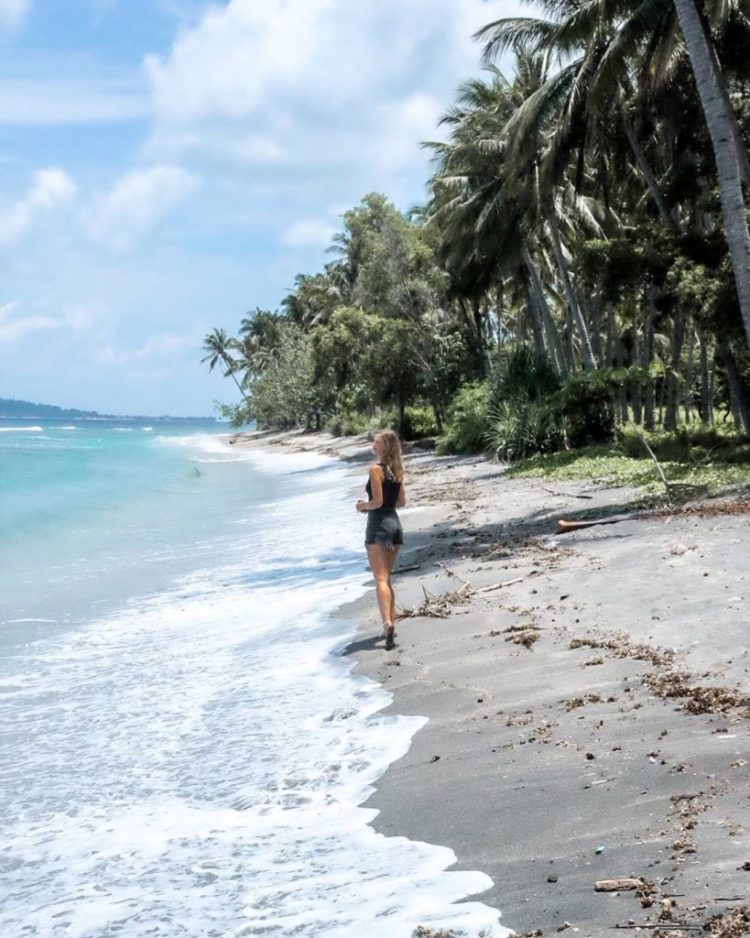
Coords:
pixel 587 719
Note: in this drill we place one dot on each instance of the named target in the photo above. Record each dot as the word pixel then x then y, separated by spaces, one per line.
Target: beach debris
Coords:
pixel 621 884
pixel 566 494
pixel 574 702
pixel 565 525
pixel 701 510
pixel 434 759
pixel 552 879
pixel 438 606
pixel 599 849
pixel 525 635
pixel 732 924
pixel 421 931
pixel 698 699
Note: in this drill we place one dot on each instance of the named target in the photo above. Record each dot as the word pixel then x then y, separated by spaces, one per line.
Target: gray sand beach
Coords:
pixel 587 696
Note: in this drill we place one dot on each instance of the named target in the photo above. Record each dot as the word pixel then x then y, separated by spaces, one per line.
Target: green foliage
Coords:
pixel 584 405
pixel 419 422
pixel 348 423
pixel 697 445
pixel 520 373
pixel 285 393
pixel 468 420
pixel 521 428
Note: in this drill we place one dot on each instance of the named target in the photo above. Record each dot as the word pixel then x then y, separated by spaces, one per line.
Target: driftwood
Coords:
pixel 618 885
pixel 439 606
pixel 565 494
pixel 563 525
pixel 413 566
pixel 670 925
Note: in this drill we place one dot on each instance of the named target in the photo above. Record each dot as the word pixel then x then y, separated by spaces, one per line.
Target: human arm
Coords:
pixel 376 487
pixel 401 500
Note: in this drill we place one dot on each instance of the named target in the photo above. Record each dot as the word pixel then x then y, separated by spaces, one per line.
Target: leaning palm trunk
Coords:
pixel 554 348
pixel 648 174
pixel 589 362
pixel 719 120
pixel 536 322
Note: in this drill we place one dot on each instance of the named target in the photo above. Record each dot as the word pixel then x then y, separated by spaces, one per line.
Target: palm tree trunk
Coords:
pixel 647 357
pixel 673 402
pixel 737 392
pixel 536 322
pixel 706 408
pixel 230 371
pixel 589 361
pixel 739 143
pixel 648 174
pixel 554 348
pixel 637 384
pixel 719 120
pixel 689 374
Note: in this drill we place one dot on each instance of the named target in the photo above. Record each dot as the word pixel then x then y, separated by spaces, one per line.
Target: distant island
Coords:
pixel 11 409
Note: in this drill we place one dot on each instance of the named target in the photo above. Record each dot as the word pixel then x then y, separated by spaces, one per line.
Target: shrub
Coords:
pixel 525 428
pixel 348 423
pixel 585 405
pixel 468 420
pixel 419 422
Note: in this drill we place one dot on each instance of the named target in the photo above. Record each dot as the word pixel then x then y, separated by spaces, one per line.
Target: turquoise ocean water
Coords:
pixel 183 747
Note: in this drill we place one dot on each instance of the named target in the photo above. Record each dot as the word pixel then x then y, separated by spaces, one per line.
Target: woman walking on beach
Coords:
pixel 386 493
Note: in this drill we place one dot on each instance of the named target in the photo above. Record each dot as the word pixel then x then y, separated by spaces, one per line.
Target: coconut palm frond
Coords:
pixel 517 32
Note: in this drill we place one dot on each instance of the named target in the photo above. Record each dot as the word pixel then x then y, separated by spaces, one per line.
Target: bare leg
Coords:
pixel 378 557
pixel 392 554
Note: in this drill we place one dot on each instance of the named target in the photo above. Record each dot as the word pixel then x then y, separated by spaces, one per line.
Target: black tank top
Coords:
pixel 391 488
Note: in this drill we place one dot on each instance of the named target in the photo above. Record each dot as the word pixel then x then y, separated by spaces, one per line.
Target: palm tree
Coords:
pixel 217 343
pixel 608 42
pixel 721 128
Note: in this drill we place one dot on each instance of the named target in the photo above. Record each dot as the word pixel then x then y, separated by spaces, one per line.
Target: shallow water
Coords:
pixel 184 749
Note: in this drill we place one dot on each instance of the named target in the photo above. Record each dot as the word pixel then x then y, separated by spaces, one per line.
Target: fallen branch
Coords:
pixel 617 885
pixel 563 525
pixel 670 925
pixel 413 566
pixel 499 586
pixel 451 573
pixel 565 494
pixel 651 453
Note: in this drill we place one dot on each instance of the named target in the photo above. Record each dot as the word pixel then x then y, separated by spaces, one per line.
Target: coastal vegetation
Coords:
pixel 580 266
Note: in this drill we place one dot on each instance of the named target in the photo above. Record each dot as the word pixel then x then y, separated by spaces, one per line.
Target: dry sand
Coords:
pixel 587 720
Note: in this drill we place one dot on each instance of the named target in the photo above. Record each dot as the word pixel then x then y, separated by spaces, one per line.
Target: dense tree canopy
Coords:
pixel 582 259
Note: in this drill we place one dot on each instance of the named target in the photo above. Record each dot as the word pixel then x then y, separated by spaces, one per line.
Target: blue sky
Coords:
pixel 168 165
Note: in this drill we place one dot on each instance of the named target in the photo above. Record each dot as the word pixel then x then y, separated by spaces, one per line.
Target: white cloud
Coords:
pixel 136 203
pixel 308 233
pixel 58 100
pixel 13 326
pixel 13 11
pixel 50 189
pixel 316 90
pixel 167 345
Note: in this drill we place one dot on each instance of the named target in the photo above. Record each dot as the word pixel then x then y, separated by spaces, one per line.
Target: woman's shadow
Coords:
pixel 375 642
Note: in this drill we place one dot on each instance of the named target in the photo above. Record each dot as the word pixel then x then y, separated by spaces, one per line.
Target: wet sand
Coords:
pixel 587 695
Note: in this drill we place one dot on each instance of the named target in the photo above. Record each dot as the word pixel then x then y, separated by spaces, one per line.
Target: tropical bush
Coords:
pixel 468 420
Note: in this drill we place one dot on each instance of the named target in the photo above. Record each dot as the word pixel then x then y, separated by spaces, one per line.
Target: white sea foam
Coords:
pixel 64 428
pixel 196 763
pixel 21 429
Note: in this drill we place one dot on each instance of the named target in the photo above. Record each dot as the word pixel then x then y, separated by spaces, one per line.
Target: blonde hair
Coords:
pixel 394 466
